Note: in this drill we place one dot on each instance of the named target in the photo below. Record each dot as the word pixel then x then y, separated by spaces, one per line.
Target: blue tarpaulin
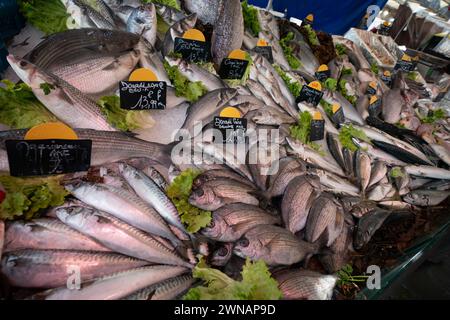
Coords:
pixel 332 16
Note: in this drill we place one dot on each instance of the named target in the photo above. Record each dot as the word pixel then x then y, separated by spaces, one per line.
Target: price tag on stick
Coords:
pixel 48 149
pixel 143 91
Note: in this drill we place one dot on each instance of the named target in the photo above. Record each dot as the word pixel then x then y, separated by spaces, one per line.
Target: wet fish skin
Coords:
pixel 428 172
pixel 207 10
pixel 426 198
pixel 335 184
pixel 274 245
pixel 169 14
pixel 228 31
pixel 117 286
pixel 363 169
pixel 142 21
pixel 64 101
pixel 399 153
pixel 149 191
pixel 378 171
pixel 231 222
pixel 94 16
pixel 47 233
pixel 297 200
pixel 219 192
pixel 123 205
pixel 339 250
pixel 220 173
pixel 368 225
pixel 335 150
pixel 49 268
pixel 305 285
pixel 268 22
pixel 290 168
pixel 169 289
pixel 222 255
pixel 119 236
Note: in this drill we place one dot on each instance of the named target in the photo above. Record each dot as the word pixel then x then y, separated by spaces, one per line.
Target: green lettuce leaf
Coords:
pixel 49 16
pixel 20 109
pixel 293 61
pixel 171 3
pixel 26 197
pixel 251 21
pixel 375 69
pixel 257 284
pixel 435 115
pixel 340 49
pixel 294 86
pixel 312 36
pixel 179 191
pixel 346 134
pixel 301 131
pixel 330 84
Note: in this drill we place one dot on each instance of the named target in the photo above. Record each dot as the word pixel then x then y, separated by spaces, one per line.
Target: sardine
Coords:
pixel 428 172
pixel 166 290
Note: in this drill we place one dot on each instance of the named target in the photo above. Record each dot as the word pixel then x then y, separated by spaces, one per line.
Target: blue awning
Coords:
pixel 332 16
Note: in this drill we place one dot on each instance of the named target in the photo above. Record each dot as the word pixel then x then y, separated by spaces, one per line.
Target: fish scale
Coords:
pixel 165 290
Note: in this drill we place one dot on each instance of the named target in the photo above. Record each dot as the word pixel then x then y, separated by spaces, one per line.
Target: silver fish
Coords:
pixel 206 10
pixel 231 222
pixel 268 22
pixel 195 73
pixel 151 59
pixel 118 285
pixel 122 205
pixel 63 100
pixel 297 201
pixel 166 290
pixel 149 191
pixel 428 172
pixel 426 198
pixel 363 169
pixel 51 268
pixel 119 236
pixel 273 245
pixel 392 105
pixel 378 171
pixel 142 21
pixel 219 192
pixel 169 14
pixel 305 285
pixel 47 233
pixel 228 31
pixel 94 16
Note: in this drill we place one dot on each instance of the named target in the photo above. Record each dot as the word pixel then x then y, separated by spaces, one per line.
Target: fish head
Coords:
pixel 245 247
pixel 222 255
pixel 205 198
pixel 74 213
pixel 296 146
pixel 24 69
pixel 216 228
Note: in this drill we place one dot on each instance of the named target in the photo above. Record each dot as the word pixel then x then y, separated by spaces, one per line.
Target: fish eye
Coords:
pixel 23 63
pixel 199 192
pixel 244 242
pixel 212 224
pixel 222 252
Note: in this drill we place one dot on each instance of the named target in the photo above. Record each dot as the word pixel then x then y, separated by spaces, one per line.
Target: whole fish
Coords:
pixel 116 286
pixel 368 225
pixel 52 268
pixel 228 31
pixel 353 51
pixel 428 172
pixel 142 21
pixel 98 74
pixel 290 168
pixel 149 191
pixel 165 290
pixel 336 150
pixel 95 17
pixel 297 200
pixel 339 256
pixel 47 233
pixel 123 205
pixel 380 192
pixel 268 22
pixel 61 48
pixel 222 255
pixel 305 285
pixel 399 153
pixel 274 245
pixel 63 100
pixel 362 169
pixel 206 10
pixel 325 216
pixel 426 198
pixel 177 30
pixel 231 222
pixel 118 235
pixel 195 73
pixel 378 171
pixel 207 106
pixel 392 105
pixel 107 146
pixel 335 184
pixel 219 192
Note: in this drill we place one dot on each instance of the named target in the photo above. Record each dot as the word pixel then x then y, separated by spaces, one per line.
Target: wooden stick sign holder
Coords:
pixel 234 66
pixel 143 91
pixel 193 46
pixel 48 149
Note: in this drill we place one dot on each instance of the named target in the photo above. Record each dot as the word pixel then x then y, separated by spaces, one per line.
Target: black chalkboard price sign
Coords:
pixel 233 129
pixel 233 68
pixel 193 50
pixel 374 106
pixel 310 95
pixel 338 117
pixel 405 66
pixel 323 75
pixel 265 51
pixel 317 130
pixel 48 157
pixel 386 77
pixel 143 95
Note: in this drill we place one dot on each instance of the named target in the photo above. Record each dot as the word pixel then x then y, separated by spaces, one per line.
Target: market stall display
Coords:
pixel 230 154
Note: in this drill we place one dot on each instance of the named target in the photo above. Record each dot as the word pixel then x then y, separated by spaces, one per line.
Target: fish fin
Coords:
pixel 151 294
